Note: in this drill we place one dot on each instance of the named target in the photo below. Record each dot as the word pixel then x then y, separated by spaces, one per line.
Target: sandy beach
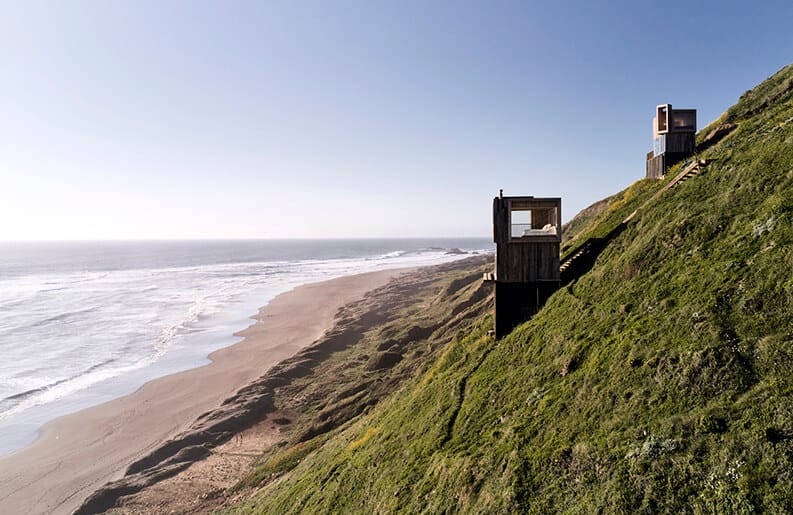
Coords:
pixel 78 453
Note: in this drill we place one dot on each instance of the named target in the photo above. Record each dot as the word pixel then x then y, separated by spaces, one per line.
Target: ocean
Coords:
pixel 82 323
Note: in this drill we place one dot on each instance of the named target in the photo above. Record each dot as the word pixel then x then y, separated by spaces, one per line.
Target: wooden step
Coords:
pixel 569 261
pixel 692 170
pixel 630 216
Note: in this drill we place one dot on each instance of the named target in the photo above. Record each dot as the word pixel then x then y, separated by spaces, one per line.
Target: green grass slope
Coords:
pixel 659 381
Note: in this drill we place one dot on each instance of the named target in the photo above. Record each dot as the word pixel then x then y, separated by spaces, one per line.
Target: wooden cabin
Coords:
pixel 674 132
pixel 527 232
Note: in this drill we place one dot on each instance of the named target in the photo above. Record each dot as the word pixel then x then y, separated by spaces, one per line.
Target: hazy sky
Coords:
pixel 338 118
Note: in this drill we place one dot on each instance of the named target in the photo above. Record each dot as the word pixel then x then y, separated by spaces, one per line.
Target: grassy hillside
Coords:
pixel 659 381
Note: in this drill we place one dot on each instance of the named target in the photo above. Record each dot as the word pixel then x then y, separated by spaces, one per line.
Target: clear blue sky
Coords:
pixel 347 118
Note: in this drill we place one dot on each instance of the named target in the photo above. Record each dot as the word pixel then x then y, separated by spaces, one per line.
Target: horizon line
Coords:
pixel 275 238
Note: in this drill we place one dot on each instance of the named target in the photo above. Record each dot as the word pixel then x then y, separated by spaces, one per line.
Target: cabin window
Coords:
pixel 662 118
pixel 533 221
pixel 684 121
pixel 520 221
pixel 659 144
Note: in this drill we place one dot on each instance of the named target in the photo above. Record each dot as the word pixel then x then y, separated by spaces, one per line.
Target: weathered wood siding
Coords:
pixel 500 221
pixel 527 267
pixel 680 142
pixel 527 262
pixel 656 167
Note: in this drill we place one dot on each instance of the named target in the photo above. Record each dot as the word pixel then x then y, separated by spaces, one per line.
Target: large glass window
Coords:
pixel 684 121
pixel 659 144
pixel 520 222
pixel 527 222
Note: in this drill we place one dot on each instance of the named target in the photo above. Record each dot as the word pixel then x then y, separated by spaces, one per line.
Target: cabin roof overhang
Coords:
pixel 520 203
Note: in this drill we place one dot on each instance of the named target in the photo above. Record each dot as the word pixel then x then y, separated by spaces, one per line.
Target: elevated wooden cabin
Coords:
pixel 527 232
pixel 674 132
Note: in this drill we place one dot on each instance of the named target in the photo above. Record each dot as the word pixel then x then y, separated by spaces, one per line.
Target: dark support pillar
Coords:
pixel 518 302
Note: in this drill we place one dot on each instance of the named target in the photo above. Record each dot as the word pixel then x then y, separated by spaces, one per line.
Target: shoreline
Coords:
pixel 76 454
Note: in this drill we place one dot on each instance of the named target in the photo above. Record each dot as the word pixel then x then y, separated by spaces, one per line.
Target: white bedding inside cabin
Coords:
pixel 548 230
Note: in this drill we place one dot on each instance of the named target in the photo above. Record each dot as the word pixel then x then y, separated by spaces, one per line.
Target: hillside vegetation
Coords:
pixel 659 381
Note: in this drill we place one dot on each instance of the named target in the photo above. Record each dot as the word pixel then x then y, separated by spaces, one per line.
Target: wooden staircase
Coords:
pixel 570 260
pixel 691 170
pixel 593 244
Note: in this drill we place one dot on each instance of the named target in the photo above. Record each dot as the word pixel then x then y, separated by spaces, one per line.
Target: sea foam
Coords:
pixel 98 324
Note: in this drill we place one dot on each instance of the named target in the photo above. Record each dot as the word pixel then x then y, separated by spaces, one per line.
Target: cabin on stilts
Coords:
pixel 527 232
pixel 674 133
